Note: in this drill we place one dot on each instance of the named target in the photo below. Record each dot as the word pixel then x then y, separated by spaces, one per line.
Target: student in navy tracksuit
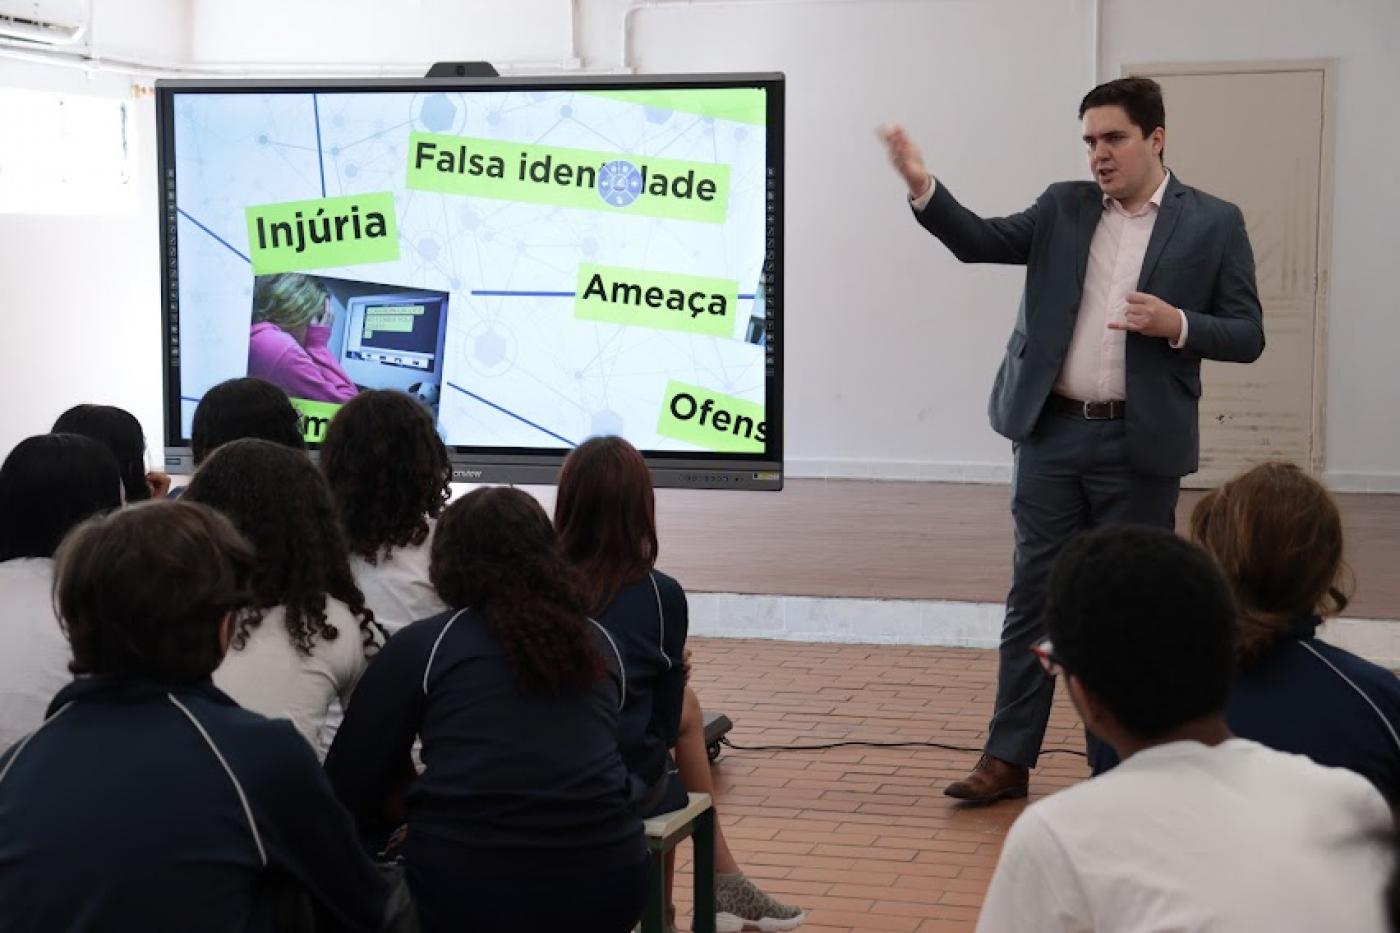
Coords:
pixel 522 817
pixel 606 515
pixel 1278 535
pixel 148 800
pixel 1305 696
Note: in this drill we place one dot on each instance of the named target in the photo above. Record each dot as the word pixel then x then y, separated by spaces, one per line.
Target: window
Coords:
pixel 66 153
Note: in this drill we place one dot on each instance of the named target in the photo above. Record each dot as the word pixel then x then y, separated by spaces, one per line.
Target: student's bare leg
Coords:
pixel 693 762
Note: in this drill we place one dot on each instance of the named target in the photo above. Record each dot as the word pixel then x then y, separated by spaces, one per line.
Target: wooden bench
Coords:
pixel 664 832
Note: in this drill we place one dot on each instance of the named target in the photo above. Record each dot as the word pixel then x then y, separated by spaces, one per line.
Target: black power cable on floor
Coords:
pixel 847 743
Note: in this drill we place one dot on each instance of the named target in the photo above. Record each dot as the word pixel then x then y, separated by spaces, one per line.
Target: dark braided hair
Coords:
pixel 388 471
pixel 278 500
pixel 495 551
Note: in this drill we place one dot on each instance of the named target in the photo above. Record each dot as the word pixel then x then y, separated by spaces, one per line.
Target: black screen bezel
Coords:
pixel 496 462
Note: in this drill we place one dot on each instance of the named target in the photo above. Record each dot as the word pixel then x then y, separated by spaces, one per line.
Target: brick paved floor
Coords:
pixel 862 837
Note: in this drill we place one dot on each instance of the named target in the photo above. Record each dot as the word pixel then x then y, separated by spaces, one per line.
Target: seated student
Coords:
pixel 1278 536
pixel 118 430
pixel 148 800
pixel 1195 829
pixel 605 512
pixel 390 479
pixel 521 819
pixel 306 636
pixel 241 408
pixel 48 484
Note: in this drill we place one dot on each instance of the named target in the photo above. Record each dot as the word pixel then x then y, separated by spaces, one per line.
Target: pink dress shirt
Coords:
pixel 1093 369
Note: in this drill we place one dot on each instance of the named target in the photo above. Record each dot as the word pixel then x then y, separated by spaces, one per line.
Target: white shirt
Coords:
pixel 1185 837
pixel 1094 368
pixel 34 652
pixel 269 676
pixel 397 588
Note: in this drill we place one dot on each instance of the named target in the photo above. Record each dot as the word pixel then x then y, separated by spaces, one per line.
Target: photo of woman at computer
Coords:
pixel 288 344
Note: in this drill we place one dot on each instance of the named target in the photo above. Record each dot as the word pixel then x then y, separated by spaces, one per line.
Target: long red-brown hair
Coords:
pixel 605 513
pixel 1277 534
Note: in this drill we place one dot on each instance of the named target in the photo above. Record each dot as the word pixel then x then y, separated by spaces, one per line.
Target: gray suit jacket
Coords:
pixel 1198 259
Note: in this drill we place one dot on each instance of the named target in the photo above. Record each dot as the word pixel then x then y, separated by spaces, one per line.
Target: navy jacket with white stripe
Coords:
pixel 649 619
pixel 119 814
pixel 513 783
pixel 1311 698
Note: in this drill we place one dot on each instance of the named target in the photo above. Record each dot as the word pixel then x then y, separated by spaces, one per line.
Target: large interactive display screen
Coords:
pixel 537 260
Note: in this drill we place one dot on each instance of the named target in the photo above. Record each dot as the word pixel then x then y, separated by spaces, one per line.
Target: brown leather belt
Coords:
pixel 1089 411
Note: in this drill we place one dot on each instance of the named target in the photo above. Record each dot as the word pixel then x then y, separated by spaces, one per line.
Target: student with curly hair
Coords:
pixel 306 636
pixel 118 430
pixel 390 480
pixel 148 800
pixel 48 484
pixel 521 819
pixel 605 512
pixel 292 321
pixel 1278 535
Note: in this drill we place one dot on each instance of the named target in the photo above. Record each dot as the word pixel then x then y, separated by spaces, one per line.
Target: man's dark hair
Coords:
pixel 1140 98
pixel 119 430
pixel 141 592
pixel 48 484
pixel 239 408
pixel 1145 621
pixel 388 471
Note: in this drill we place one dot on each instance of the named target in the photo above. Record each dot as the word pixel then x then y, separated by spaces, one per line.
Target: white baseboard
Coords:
pixel 948 471
pixel 1340 481
pixel 933 623
pixel 927 470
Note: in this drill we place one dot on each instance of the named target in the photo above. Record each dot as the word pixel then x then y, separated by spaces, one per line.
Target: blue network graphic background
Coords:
pixel 520 369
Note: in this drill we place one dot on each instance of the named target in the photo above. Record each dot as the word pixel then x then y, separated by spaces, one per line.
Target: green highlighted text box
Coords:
pixel 489 168
pixel 314 418
pixel 662 300
pixel 341 231
pixel 731 425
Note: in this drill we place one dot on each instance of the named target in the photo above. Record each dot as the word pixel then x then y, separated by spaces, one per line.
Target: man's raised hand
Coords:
pixel 906 158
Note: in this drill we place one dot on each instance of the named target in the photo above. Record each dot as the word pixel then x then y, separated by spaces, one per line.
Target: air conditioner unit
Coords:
pixel 38 32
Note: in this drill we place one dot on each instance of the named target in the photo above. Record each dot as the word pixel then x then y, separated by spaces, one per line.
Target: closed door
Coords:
pixel 1256 138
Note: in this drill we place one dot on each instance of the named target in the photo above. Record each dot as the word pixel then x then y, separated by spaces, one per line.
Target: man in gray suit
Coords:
pixel 1131 280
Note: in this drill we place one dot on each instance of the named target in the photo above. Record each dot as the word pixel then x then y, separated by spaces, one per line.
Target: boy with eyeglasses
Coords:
pixel 1196 829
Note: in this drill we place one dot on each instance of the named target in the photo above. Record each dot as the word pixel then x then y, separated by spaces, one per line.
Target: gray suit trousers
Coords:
pixel 1070 475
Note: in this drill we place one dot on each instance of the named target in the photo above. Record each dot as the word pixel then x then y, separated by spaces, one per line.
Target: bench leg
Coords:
pixel 654 917
pixel 704 869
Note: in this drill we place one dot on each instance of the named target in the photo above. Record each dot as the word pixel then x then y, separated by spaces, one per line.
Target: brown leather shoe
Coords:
pixel 992 780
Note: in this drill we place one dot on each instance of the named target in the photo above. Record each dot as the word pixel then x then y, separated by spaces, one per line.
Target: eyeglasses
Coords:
pixel 1044 650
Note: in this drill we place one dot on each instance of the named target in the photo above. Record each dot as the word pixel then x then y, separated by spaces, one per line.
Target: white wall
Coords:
pixel 81 294
pixel 891 345
pixel 382 31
